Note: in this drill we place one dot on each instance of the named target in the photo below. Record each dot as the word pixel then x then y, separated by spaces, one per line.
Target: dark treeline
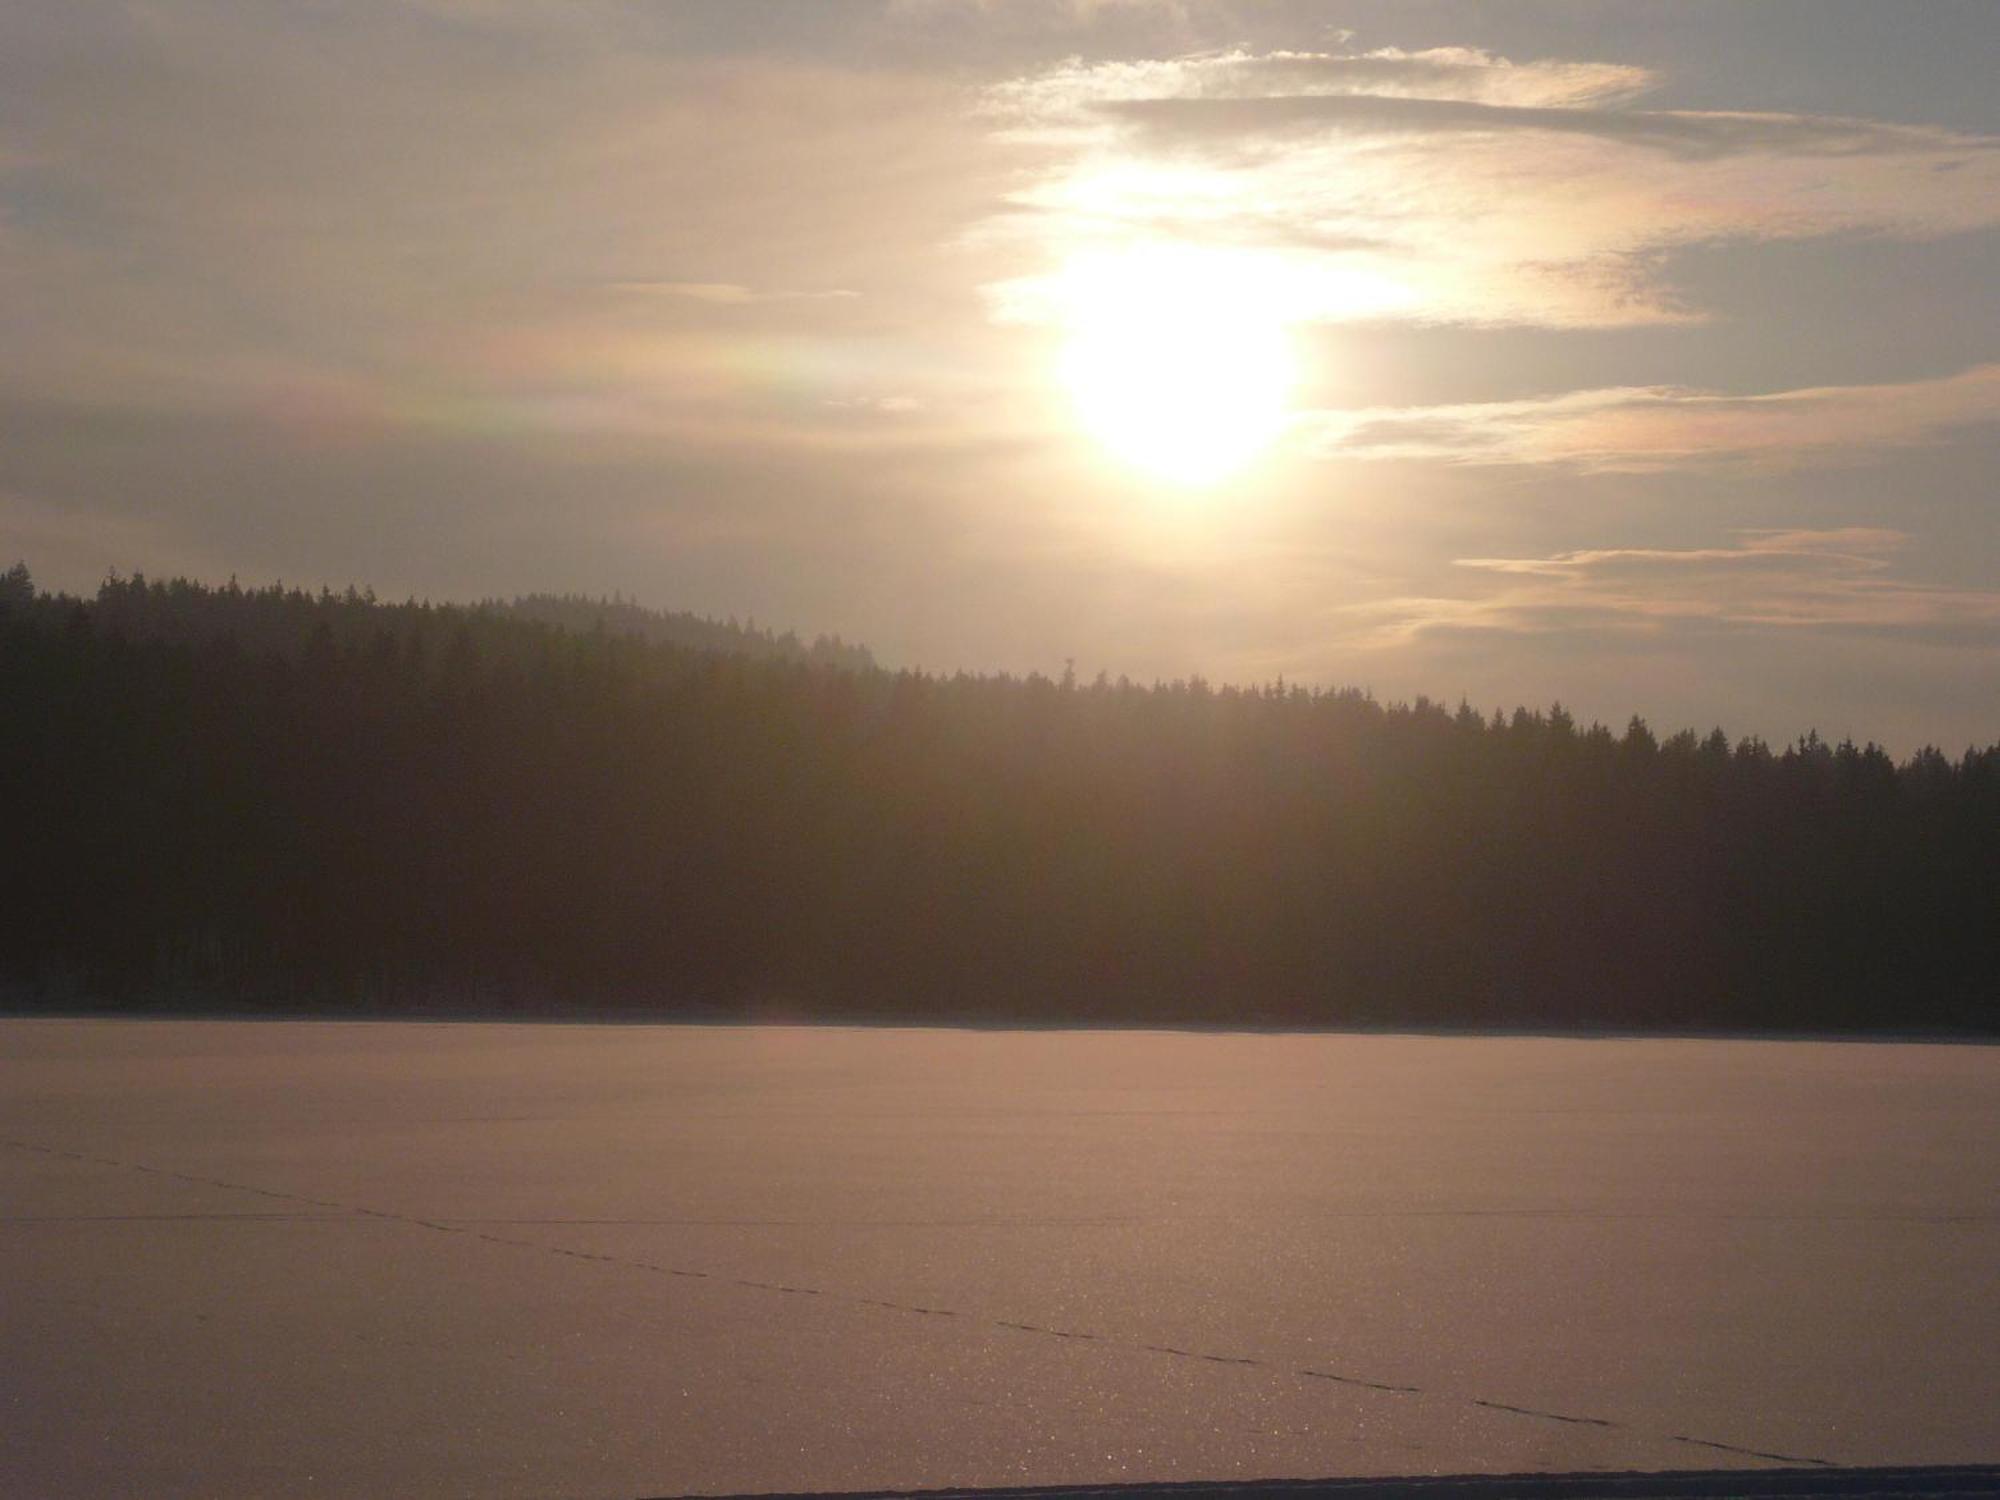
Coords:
pixel 678 628
pixel 282 620
pixel 218 797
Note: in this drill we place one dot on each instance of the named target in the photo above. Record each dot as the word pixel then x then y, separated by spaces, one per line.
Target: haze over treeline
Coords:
pixel 219 797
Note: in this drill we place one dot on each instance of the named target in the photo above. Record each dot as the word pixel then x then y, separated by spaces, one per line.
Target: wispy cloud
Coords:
pixel 1638 429
pixel 1839 579
pixel 1070 92
pixel 1838 550
pixel 726 293
pixel 1488 191
pixel 201 188
pixel 1275 121
pixel 880 406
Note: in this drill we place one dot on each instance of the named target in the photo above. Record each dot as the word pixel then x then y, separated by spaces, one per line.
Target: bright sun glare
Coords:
pixel 1179 359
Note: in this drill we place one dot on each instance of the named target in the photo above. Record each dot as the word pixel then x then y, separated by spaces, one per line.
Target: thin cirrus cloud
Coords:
pixel 200 186
pixel 1841 579
pixel 728 293
pixel 1644 429
pixel 1067 94
pixel 1682 133
pixel 1455 185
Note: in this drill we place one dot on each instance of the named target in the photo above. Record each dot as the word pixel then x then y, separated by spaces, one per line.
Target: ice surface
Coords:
pixel 356 1259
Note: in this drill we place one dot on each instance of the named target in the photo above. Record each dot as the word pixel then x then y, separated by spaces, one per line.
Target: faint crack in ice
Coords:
pixel 463 1228
pixel 1552 1416
pixel 1781 1458
pixel 1373 1385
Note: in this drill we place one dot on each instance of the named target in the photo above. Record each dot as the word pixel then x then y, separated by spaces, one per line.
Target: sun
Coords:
pixel 1179 359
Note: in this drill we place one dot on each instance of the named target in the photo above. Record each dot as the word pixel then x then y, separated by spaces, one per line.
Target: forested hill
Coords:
pixel 218 798
pixel 276 618
pixel 678 628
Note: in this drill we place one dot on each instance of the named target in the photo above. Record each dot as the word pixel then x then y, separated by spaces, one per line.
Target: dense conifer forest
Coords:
pixel 220 798
pixel 678 628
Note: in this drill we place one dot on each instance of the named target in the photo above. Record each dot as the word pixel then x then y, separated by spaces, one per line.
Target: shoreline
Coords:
pixel 419 1017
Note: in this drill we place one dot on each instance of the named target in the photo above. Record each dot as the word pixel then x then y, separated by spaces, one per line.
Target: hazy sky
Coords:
pixel 1644 356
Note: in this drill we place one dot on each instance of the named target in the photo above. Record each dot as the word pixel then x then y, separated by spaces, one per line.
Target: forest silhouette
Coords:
pixel 269 799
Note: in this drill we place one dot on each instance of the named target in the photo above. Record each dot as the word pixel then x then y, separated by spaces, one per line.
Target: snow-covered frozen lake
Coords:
pixel 396 1259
